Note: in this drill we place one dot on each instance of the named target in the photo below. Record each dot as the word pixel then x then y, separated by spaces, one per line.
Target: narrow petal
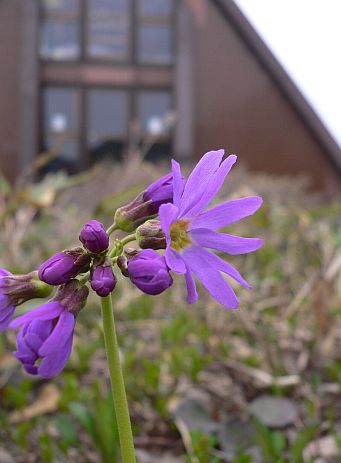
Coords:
pixel 179 183
pixel 210 277
pixel 33 341
pixel 213 185
pixel 53 364
pixel 223 266
pixel 60 335
pixel 6 310
pixel 174 261
pixel 228 212
pixel 225 243
pixel 30 369
pixel 5 321
pixel 198 180
pixel 192 295
pixel 44 312
pixel 168 214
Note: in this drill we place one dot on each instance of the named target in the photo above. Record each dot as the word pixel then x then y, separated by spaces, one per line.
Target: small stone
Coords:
pixel 275 412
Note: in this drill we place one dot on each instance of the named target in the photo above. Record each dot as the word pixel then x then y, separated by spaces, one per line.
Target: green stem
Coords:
pixel 117 383
pixel 119 247
pixel 112 228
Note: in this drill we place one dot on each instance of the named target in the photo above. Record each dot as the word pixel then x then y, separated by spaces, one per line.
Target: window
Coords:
pixel 107 123
pixel 153 108
pixel 112 30
pixel 108 29
pixel 61 125
pixel 155 31
pixel 60 31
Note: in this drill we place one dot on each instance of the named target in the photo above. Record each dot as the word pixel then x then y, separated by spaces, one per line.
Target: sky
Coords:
pixel 305 36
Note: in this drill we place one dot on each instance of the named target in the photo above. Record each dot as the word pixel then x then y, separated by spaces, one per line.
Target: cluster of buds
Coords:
pixel 181 241
pixel 44 341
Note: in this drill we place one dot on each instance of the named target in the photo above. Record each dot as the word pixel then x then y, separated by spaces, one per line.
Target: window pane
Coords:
pixel 61 5
pixel 107 122
pixel 155 7
pixel 152 109
pixel 154 44
pixel 60 40
pixel 108 29
pixel 61 122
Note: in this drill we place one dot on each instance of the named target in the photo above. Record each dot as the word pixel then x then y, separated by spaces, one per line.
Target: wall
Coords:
pixel 10 12
pixel 238 107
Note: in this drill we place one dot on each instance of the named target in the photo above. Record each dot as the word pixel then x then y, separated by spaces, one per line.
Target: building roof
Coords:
pixel 246 32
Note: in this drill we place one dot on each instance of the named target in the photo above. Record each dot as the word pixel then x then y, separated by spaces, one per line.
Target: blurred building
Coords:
pixel 87 76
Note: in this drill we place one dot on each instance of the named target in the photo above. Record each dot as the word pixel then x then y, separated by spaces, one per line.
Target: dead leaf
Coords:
pixel 46 402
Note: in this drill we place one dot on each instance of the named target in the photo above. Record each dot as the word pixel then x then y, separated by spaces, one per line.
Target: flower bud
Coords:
pixel 102 279
pixel 149 272
pixel 63 266
pixel 17 289
pixel 122 263
pixel 160 192
pixel 145 205
pixel 72 296
pixel 94 237
pixel 150 235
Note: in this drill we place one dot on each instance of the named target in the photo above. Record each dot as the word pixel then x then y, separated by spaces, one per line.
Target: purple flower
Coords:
pixel 103 280
pixel 44 342
pixel 189 229
pixel 149 272
pixel 159 192
pixel 94 237
pixel 7 307
pixel 63 266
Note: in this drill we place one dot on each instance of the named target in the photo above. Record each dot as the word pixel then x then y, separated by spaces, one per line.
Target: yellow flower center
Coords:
pixel 179 234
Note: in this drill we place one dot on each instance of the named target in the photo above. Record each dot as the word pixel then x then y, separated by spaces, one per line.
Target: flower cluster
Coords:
pixel 174 232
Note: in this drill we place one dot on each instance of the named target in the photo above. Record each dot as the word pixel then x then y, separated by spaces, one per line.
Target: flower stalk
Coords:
pixel 117 382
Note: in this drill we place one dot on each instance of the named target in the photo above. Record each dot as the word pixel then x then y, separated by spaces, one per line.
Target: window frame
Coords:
pixel 84 155
pixel 132 56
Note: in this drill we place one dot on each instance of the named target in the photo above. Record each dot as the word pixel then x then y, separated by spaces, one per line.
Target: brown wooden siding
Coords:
pixel 239 107
pixel 9 85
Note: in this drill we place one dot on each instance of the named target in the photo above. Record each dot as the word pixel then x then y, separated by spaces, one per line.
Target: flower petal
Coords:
pixel 210 277
pixel 168 214
pixel 225 243
pixel 179 182
pixel 60 335
pixel 53 364
pixel 228 212
pixel 213 185
pixel 44 312
pixel 174 261
pixel 6 308
pixel 192 295
pixel 223 266
pixel 197 182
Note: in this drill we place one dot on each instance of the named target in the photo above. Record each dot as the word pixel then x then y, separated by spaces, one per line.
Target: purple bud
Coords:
pixel 63 266
pixel 103 280
pixel 150 235
pixel 149 272
pixel 94 237
pixel 146 205
pixel 17 289
pixel 160 192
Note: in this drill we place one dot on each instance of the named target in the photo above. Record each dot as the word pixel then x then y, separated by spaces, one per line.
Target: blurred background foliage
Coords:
pixel 205 385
